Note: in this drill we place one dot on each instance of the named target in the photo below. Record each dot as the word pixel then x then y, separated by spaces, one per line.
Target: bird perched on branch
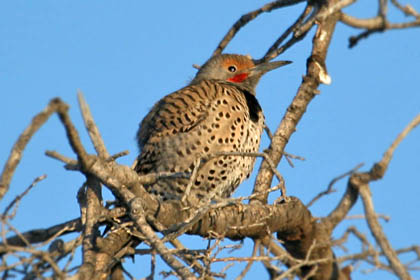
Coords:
pixel 207 123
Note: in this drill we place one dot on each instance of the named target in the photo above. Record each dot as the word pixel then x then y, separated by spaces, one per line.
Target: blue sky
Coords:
pixel 126 55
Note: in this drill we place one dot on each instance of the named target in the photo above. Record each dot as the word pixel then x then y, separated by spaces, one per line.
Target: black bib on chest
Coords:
pixel 253 106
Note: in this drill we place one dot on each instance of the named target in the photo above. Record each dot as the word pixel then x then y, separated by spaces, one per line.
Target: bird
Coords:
pixel 200 127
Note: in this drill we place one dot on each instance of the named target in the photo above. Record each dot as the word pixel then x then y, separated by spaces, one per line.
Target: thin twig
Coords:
pixel 60 157
pixel 191 181
pixel 331 184
pixel 189 256
pixel 384 217
pixel 20 196
pixel 273 51
pixel 287 155
pixel 408 10
pixel 118 155
pixel 249 264
pixel 388 154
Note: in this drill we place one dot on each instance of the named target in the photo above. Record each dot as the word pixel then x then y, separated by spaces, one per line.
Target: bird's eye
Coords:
pixel 232 68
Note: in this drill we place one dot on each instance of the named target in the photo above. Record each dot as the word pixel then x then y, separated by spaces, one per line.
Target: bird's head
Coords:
pixel 237 69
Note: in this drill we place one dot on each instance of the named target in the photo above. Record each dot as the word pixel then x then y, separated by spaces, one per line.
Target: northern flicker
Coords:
pixel 216 113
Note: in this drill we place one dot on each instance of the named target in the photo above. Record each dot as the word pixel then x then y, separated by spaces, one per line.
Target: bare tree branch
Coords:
pixel 380 23
pixel 379 235
pixel 245 19
pixel 134 215
pixel 90 200
pixel 307 91
pixel 331 184
pixel 91 127
pixel 18 148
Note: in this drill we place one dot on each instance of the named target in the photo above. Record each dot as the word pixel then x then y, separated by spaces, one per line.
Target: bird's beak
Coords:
pixel 262 68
